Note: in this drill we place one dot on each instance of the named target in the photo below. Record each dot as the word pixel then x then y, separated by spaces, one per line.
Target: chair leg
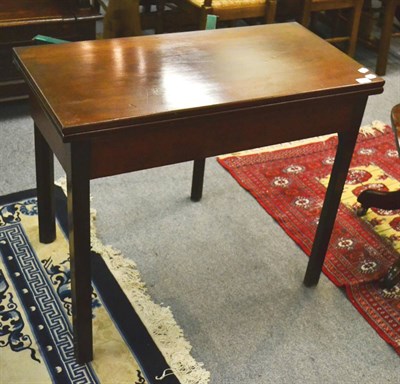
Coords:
pixel 355 28
pixel 384 41
pixel 395 118
pixel 393 276
pixel 160 7
pixel 306 15
pixel 383 200
pixel 270 11
pixel 122 19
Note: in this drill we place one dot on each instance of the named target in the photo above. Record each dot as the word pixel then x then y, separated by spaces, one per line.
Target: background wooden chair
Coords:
pixel 377 29
pixel 311 7
pixel 385 200
pixel 229 10
pixel 131 17
pixel 122 18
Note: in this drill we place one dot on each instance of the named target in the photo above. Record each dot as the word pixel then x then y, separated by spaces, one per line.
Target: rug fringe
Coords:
pixel 370 129
pixel 159 320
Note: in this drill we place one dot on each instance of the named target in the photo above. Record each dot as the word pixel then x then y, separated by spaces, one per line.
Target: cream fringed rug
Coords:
pixel 135 340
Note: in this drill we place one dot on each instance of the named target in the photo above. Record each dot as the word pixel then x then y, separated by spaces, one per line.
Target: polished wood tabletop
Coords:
pixel 120 105
pixel 153 77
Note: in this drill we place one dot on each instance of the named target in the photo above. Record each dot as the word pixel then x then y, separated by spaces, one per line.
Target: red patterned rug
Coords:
pixel 290 184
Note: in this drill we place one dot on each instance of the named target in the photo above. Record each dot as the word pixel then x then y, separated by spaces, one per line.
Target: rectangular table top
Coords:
pixel 93 86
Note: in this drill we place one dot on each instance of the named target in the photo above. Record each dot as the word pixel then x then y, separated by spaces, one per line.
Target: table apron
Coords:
pixel 173 141
pixel 201 137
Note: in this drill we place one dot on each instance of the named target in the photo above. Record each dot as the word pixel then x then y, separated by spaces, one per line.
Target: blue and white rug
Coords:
pixel 135 340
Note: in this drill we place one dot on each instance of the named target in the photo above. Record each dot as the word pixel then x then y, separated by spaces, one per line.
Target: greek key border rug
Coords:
pixel 290 184
pixel 135 340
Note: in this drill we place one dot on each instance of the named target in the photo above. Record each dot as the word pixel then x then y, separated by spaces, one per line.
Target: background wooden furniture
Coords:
pixel 122 18
pixel 125 18
pixel 377 29
pixel 130 17
pixel 165 106
pixel 385 200
pixel 229 10
pixel 355 6
pixel 21 20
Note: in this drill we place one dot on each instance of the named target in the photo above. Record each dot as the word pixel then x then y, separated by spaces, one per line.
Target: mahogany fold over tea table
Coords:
pixel 112 106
